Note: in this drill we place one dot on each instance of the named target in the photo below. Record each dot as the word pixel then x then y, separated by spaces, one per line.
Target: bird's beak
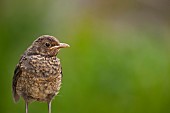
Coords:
pixel 62 45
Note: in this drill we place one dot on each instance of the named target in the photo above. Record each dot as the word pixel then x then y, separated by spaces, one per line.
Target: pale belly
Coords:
pixel 34 88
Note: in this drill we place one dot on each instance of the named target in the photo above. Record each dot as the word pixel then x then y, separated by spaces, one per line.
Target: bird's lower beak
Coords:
pixel 62 45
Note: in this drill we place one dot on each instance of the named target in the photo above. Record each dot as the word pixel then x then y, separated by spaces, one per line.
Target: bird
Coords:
pixel 38 75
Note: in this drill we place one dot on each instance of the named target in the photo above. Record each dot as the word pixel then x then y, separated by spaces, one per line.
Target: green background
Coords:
pixel 118 62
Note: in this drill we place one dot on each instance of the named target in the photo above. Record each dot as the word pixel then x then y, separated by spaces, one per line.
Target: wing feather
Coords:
pixel 17 74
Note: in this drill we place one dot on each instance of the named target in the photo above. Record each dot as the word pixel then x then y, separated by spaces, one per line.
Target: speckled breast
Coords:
pixel 40 79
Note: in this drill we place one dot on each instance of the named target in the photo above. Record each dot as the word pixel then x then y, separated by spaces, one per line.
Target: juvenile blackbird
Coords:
pixel 37 76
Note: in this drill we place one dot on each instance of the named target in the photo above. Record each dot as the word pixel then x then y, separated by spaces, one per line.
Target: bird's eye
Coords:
pixel 47 44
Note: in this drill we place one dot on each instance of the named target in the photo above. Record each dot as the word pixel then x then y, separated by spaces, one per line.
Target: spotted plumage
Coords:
pixel 37 76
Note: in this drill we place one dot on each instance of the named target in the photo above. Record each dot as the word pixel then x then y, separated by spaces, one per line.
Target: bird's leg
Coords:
pixel 26 107
pixel 49 106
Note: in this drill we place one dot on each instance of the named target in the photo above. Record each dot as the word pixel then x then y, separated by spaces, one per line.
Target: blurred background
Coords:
pixel 118 62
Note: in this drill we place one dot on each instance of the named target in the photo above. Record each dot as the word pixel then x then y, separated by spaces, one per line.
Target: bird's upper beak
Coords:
pixel 62 45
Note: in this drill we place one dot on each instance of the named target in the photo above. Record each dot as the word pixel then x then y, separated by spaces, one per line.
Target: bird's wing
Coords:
pixel 17 73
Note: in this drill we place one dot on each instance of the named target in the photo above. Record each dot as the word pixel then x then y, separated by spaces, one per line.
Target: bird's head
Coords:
pixel 46 45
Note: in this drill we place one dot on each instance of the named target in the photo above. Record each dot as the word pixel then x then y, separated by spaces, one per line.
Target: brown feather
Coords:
pixel 17 73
